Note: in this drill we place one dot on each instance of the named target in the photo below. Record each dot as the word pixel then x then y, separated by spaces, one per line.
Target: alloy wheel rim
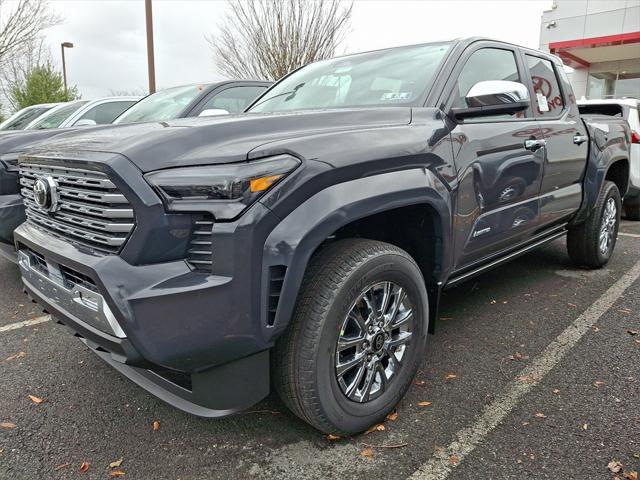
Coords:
pixel 373 341
pixel 608 226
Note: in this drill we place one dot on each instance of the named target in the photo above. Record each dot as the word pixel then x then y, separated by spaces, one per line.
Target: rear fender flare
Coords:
pixel 297 237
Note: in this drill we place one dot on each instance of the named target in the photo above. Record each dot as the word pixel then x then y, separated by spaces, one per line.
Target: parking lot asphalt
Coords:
pixel 534 372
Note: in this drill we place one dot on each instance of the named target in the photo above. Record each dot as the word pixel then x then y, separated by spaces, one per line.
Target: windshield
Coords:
pixel 392 77
pixel 24 117
pixel 55 118
pixel 165 105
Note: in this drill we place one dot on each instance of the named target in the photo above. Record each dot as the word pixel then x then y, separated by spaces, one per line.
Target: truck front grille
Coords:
pixel 91 210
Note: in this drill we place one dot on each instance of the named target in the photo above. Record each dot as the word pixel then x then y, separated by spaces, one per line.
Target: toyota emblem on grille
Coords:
pixel 45 193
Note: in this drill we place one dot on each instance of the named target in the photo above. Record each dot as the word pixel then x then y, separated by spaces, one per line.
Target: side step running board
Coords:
pixel 477 271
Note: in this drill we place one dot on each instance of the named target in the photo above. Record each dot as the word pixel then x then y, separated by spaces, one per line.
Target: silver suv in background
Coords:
pixel 83 113
pixel 22 118
pixel 629 109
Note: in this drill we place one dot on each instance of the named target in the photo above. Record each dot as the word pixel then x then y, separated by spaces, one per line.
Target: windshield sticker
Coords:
pixel 395 96
pixel 543 105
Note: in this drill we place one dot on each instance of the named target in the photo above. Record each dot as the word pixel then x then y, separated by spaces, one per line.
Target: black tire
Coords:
pixel 632 209
pixel 304 360
pixel 583 240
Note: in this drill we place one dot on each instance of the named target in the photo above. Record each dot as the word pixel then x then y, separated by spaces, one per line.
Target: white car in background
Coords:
pixel 629 109
pixel 23 117
pixel 83 113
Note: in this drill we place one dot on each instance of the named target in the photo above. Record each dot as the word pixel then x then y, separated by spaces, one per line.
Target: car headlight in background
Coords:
pixel 224 190
pixel 10 161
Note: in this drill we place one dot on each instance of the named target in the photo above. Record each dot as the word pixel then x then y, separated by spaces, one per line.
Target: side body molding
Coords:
pixel 296 238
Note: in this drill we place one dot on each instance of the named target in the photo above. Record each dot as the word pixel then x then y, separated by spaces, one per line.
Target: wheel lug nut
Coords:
pixel 365 345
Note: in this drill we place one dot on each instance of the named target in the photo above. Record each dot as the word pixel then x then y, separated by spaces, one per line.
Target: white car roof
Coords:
pixel 630 102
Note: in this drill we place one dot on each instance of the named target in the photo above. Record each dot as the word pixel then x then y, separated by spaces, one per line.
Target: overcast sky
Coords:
pixel 110 48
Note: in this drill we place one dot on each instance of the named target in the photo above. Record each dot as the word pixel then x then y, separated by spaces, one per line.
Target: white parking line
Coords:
pixel 26 323
pixel 442 463
pixel 634 235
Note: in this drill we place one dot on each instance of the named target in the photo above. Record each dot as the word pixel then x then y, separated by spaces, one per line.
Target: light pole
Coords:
pixel 151 64
pixel 64 65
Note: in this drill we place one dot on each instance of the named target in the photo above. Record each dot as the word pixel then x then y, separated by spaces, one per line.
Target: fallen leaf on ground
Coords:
pixel 84 466
pixel 585 426
pixel 367 452
pixel 7 425
pixel 450 376
pixel 529 379
pixel 446 318
pixel 599 383
pixel 632 475
pixel 156 425
pixel 17 355
pixel 518 356
pixel 420 383
pixel 116 473
pixel 64 465
pixel 332 437
pixel 392 417
pixel 555 390
pixel 572 305
pixel 493 302
pixel 632 332
pixel 453 460
pixel 36 400
pixel 541 415
pixel 424 404
pixel 117 463
pixel 615 466
pixel 376 428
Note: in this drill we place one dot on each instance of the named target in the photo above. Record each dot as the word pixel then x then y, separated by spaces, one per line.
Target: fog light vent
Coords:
pixel 276 279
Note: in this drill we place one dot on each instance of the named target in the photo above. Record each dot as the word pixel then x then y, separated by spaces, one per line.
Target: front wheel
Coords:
pixel 357 337
pixel 591 243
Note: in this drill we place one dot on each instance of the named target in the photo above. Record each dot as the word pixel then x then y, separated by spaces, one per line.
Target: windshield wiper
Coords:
pixel 290 92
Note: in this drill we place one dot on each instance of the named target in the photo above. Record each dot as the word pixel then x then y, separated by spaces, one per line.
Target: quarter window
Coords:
pixel 486 64
pixel 549 101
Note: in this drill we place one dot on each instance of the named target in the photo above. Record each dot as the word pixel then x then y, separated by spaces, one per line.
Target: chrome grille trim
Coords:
pixel 91 209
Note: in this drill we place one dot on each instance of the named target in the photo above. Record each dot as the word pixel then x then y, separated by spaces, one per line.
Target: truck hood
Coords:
pixel 20 140
pixel 206 141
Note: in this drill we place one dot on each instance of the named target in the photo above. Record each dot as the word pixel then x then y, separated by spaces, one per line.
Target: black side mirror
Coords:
pixel 494 97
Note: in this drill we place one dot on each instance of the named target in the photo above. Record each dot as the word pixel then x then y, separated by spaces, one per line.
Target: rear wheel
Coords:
pixel 591 243
pixel 357 336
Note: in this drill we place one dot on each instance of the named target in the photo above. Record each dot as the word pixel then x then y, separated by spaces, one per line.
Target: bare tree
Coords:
pixel 25 21
pixel 269 38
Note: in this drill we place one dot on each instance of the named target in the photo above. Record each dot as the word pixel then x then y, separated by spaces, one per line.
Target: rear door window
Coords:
pixel 549 101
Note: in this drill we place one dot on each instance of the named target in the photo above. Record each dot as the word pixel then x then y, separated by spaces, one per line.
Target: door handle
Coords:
pixel 534 144
pixel 580 139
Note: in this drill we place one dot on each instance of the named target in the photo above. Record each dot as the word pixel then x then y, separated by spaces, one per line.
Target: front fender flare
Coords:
pixel 296 238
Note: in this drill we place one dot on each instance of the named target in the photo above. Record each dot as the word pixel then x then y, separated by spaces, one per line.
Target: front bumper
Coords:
pixel 176 332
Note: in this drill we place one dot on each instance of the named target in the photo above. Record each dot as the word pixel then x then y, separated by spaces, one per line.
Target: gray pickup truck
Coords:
pixel 304 244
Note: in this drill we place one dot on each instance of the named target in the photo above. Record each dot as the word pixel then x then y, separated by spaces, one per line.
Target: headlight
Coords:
pixel 10 161
pixel 224 190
